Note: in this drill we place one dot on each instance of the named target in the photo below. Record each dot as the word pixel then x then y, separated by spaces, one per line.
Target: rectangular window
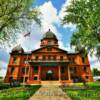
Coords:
pixel 25 61
pixel 44 57
pixel 36 58
pixel 12 70
pixel 14 60
pixel 61 57
pixel 85 69
pixel 10 79
pixel 62 69
pixel 73 60
pixel 22 79
pixel 23 70
pixel 26 78
pixel 35 69
pixel 35 78
pixel 54 57
pixel 87 77
pixel 49 57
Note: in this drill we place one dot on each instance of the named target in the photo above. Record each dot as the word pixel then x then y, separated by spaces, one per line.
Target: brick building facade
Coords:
pixel 48 63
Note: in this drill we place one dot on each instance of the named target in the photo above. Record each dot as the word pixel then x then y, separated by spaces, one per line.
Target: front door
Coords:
pixel 49 75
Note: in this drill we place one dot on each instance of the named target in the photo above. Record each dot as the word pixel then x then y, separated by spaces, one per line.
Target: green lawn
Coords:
pixel 18 93
pixel 78 92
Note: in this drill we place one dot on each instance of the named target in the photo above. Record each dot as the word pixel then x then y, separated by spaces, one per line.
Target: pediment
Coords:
pixel 49 49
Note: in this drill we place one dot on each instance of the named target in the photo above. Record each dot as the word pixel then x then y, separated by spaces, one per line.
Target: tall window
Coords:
pixel 35 78
pixel 23 70
pixel 85 69
pixel 14 60
pixel 83 59
pixel 10 79
pixel 61 57
pixel 54 57
pixel 44 57
pixel 26 78
pixel 62 69
pixel 72 59
pixel 36 57
pixel 26 60
pixel 22 79
pixel 49 57
pixel 12 70
pixel 35 69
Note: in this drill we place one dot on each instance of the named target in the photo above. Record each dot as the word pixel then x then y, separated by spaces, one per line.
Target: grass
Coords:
pixel 18 93
pixel 81 93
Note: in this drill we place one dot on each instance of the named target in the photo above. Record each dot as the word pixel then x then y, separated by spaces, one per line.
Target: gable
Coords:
pixel 49 49
pixel 49 52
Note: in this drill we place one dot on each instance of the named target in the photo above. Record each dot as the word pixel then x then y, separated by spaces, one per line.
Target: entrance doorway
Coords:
pixel 49 75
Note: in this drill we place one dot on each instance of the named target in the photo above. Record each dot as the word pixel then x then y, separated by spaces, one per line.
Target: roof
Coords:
pixel 17 48
pixel 49 35
pixel 49 46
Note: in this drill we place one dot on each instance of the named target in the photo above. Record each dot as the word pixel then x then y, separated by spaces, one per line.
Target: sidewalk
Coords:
pixel 50 93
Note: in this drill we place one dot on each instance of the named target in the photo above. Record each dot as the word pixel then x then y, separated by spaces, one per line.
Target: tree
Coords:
pixel 15 15
pixel 96 72
pixel 85 15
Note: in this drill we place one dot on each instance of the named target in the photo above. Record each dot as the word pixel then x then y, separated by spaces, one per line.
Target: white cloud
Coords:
pixel 49 13
pixel 3 72
pixel 49 18
pixel 94 62
pixel 3 68
pixel 62 13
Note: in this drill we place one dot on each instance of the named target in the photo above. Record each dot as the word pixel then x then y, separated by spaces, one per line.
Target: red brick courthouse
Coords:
pixel 48 63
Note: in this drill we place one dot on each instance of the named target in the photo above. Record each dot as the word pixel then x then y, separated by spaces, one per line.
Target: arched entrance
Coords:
pixel 49 75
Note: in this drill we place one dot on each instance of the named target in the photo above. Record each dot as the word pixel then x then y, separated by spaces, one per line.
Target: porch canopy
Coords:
pixel 49 63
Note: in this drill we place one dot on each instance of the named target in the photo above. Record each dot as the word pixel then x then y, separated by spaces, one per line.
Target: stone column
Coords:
pixel 39 73
pixel 69 77
pixel 30 72
pixel 59 71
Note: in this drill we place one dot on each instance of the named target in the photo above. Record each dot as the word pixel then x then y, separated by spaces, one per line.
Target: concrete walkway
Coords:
pixel 51 92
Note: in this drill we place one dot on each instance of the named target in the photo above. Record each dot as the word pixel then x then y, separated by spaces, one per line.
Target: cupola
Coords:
pixel 49 39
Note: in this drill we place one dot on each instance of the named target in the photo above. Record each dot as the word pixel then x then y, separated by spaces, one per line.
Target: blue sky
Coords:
pixel 56 3
pixel 52 13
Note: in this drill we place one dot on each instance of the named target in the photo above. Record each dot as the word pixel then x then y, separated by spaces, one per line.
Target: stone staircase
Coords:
pixel 50 83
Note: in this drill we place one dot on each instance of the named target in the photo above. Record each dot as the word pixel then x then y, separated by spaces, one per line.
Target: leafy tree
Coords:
pixel 15 15
pixel 96 72
pixel 85 15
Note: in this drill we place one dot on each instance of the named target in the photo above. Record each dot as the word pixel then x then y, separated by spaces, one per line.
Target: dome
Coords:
pixel 49 35
pixel 18 48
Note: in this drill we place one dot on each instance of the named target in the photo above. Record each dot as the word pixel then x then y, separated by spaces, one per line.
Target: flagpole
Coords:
pixel 26 62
